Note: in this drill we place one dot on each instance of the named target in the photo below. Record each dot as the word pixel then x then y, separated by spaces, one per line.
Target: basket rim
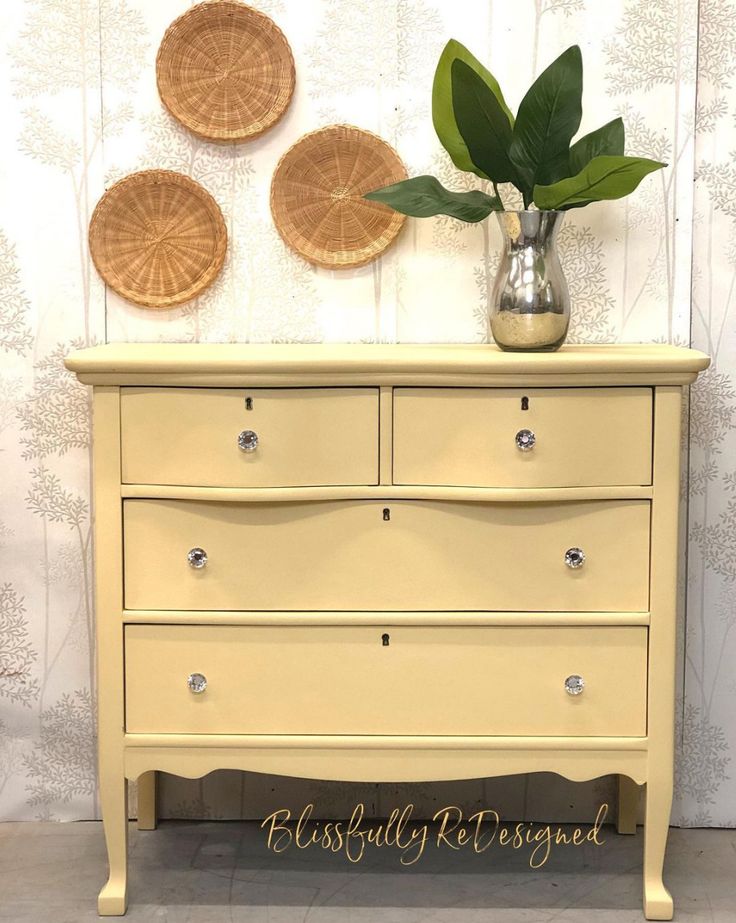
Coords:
pixel 399 220
pixel 141 177
pixel 232 136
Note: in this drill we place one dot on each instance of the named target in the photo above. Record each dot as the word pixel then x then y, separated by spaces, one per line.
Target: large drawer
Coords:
pixel 305 436
pixel 348 680
pixel 468 436
pixel 387 555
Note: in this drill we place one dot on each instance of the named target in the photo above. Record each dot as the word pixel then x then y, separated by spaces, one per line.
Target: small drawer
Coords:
pixel 387 555
pixel 392 680
pixel 538 437
pixel 262 437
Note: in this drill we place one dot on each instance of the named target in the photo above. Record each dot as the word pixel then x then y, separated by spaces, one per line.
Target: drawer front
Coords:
pixel 346 680
pixel 306 436
pixel 583 437
pixel 387 555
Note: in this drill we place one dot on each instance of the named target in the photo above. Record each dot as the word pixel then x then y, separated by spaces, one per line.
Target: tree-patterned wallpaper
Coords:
pixel 80 110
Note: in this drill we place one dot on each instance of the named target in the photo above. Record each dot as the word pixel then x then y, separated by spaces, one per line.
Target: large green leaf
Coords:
pixel 443 115
pixel 483 124
pixel 608 139
pixel 548 117
pixel 424 196
pixel 605 177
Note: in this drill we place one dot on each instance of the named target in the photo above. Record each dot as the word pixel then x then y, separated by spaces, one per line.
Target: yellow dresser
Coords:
pixel 386 563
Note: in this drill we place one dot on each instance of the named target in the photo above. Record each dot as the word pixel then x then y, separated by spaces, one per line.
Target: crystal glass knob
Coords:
pixel 197 682
pixel 574 558
pixel 248 440
pixel 574 684
pixel 197 557
pixel 525 440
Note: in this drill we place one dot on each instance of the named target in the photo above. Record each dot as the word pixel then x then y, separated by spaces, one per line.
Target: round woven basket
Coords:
pixel 157 238
pixel 225 71
pixel 317 196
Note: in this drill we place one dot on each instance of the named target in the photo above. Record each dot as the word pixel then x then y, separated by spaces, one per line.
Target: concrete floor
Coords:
pixel 224 873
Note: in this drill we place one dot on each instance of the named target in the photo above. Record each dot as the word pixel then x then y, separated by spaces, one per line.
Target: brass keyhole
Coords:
pixel 385 639
pixel 386 514
pixel 249 403
pixel 525 403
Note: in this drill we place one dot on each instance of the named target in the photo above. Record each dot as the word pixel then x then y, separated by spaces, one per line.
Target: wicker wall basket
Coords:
pixel 317 196
pixel 225 71
pixel 157 238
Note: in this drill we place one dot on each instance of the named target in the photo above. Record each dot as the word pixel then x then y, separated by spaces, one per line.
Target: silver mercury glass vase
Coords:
pixel 530 303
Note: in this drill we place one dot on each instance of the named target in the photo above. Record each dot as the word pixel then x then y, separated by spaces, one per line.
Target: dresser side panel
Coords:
pixel 663 591
pixel 110 656
pixel 108 533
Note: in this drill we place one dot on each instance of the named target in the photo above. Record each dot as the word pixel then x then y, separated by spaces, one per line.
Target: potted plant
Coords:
pixel 535 153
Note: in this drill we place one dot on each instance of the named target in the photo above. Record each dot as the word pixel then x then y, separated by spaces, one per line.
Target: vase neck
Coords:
pixel 530 228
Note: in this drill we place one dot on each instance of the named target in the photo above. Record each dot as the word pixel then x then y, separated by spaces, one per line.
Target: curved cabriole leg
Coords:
pixel 113 898
pixel 658 903
pixel 147 801
pixel 628 805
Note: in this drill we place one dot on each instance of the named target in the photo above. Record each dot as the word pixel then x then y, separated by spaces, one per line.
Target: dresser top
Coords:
pixel 233 364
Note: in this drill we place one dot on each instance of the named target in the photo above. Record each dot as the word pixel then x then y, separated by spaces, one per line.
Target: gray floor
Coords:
pixel 216 872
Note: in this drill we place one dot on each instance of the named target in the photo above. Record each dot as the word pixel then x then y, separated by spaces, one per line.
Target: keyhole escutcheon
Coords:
pixel 385 639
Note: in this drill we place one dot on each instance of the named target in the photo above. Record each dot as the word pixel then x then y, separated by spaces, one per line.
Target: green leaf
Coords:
pixel 548 117
pixel 483 124
pixel 608 139
pixel 605 177
pixel 443 115
pixel 424 196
